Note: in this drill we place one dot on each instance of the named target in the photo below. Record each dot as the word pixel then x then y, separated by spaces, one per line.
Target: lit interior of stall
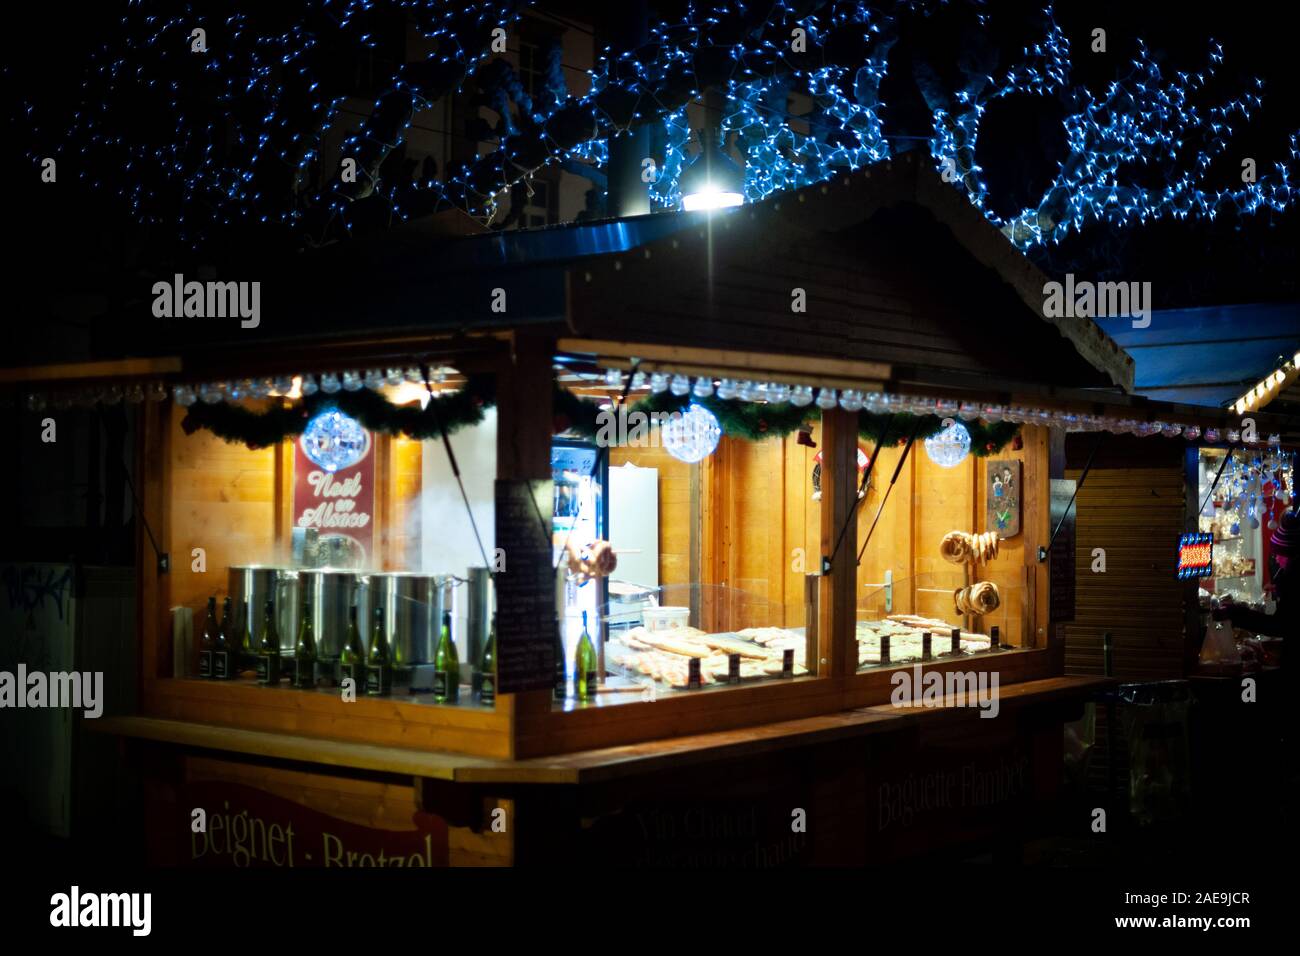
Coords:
pixel 1243 493
pixel 683 552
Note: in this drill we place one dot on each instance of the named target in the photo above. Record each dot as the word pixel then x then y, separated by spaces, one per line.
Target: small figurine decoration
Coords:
pixel 863 461
pixel 596 559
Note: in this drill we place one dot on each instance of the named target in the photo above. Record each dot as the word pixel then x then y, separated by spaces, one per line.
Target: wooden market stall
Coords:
pixel 884 288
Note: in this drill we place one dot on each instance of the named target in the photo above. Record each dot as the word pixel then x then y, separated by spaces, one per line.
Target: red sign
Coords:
pixel 1196 555
pixel 339 504
pixel 246 827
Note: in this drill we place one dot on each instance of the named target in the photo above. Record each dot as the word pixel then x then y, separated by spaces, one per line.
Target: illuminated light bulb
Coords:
pixel 801 396
pixel 727 389
pixel 778 393
pixel 827 399
pixel 1192 432
pixel 691 435
pixel 613 378
pixel 851 400
pixel 329 384
pixel 748 391
pixel 680 385
pixel 948 448
pixel 703 387
pixel 658 382
pixel 713 180
pixel 333 440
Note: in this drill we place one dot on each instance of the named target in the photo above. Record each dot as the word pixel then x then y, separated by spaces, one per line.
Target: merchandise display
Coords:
pixel 901 638
pixel 982 597
pixel 958 547
pixel 1243 494
pixel 665 655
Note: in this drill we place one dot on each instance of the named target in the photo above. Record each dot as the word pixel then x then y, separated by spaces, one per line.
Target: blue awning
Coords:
pixel 1207 356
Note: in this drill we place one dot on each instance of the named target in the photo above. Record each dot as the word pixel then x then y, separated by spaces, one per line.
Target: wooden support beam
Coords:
pixel 837 597
pixel 524 426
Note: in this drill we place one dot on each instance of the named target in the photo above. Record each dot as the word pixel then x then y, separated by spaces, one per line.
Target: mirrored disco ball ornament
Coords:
pixel 333 440
pixel 692 435
pixel 950 446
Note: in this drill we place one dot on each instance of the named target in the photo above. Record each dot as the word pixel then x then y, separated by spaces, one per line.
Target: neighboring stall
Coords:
pixel 862 438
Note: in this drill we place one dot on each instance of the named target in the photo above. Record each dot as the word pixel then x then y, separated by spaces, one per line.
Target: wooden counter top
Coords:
pixel 588 766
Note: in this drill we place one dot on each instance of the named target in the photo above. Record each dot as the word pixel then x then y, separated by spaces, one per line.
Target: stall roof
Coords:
pixel 897 268
pixel 1211 356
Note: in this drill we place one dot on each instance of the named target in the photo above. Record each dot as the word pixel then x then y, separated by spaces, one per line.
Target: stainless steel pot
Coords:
pixel 249 588
pixel 332 594
pixel 478 598
pixel 413 604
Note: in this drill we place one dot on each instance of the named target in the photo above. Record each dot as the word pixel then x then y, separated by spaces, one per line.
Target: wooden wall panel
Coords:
pixel 758 509
pixel 1015 555
pixel 759 533
pixel 944 501
pixel 1132 506
pixel 801 526
pixel 892 544
pixel 403 532
pixel 222 498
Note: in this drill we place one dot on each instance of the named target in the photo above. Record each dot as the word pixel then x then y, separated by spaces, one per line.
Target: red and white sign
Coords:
pixel 339 504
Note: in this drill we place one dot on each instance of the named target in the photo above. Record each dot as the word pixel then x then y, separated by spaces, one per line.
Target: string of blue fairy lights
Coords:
pixel 280 98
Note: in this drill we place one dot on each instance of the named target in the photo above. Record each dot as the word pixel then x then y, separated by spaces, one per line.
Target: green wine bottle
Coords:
pixel 245 632
pixel 304 653
pixel 585 676
pixel 352 657
pixel 446 666
pixel 268 650
pixel 487 668
pixel 225 655
pixel 208 639
pixel 379 667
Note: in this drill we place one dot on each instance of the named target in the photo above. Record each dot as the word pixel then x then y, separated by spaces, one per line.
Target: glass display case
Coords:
pixel 1242 495
pixel 680 638
pixel 916 618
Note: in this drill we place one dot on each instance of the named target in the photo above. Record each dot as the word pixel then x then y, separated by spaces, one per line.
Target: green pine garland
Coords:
pixel 755 422
pixel 262 429
pixel 739 419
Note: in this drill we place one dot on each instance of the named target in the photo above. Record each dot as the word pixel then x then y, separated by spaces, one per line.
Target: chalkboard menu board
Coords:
pixel 1061 568
pixel 525 589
